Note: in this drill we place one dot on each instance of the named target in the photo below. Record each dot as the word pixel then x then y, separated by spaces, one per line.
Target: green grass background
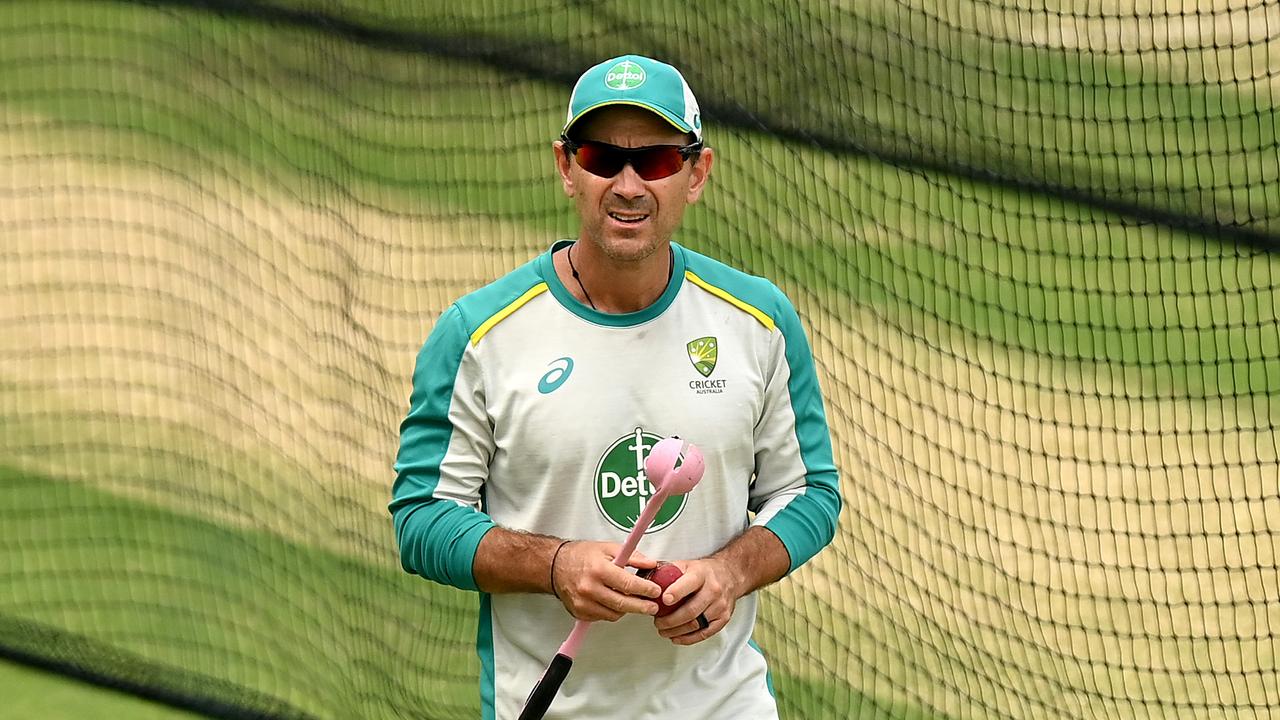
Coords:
pixel 31 693
pixel 197 560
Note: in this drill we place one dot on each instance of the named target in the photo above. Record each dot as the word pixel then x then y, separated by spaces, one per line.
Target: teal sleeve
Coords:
pixel 808 523
pixel 438 536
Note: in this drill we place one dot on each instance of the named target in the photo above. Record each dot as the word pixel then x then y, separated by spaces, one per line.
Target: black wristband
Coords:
pixel 553 567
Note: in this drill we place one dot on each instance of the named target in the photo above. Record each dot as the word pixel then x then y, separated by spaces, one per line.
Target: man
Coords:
pixel 536 398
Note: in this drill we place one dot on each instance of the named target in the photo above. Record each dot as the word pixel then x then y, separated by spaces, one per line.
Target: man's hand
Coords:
pixel 591 587
pixel 712 587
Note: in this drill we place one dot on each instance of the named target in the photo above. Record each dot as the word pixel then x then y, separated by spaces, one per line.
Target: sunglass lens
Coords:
pixel 657 163
pixel 599 160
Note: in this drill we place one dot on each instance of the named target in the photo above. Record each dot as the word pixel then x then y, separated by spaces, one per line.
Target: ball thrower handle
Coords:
pixel 569 648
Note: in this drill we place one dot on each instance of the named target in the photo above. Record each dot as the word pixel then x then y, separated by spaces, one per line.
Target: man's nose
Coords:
pixel 628 183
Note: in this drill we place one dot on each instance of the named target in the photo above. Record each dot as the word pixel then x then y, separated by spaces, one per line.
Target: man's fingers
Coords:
pixel 625 581
pixel 685 619
pixel 705 603
pixel 593 588
pixel 684 586
pixel 595 612
pixel 698 635
pixel 641 561
pixel 587 607
pixel 629 584
pixel 685 630
pixel 637 560
pixel 716 616
pixel 625 592
pixel 616 592
pixel 636 605
pixel 626 603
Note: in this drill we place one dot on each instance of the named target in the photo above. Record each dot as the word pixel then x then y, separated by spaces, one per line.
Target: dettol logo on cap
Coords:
pixel 621 488
pixel 626 75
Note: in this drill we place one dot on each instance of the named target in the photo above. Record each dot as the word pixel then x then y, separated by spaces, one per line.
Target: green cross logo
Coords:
pixel 626 75
pixel 703 353
pixel 621 488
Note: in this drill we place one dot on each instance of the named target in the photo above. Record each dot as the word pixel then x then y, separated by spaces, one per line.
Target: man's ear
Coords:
pixel 698 178
pixel 564 164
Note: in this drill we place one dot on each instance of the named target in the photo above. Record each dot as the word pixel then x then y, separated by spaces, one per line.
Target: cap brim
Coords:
pixel 675 122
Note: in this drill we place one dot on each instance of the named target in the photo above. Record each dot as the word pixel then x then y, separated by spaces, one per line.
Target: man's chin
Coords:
pixel 629 249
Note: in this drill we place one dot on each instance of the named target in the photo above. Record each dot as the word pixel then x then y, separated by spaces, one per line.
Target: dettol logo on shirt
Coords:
pixel 621 487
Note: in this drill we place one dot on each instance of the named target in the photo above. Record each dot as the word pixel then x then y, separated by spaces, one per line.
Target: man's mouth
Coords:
pixel 629 218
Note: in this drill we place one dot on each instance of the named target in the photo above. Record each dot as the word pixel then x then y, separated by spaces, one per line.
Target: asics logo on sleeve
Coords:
pixel 555 377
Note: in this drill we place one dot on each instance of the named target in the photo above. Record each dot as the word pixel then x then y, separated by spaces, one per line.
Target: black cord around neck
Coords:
pixel 671 265
pixel 574 270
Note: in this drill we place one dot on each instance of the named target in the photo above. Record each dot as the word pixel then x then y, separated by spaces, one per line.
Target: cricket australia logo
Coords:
pixel 626 75
pixel 703 353
pixel 621 488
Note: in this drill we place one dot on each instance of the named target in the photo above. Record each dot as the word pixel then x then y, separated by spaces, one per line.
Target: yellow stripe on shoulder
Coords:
pixel 505 312
pixel 723 294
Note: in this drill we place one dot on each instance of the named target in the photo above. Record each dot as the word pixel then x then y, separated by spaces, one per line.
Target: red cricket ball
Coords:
pixel 664 574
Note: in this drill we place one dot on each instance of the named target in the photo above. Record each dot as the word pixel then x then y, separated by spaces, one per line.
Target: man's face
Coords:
pixel 626 216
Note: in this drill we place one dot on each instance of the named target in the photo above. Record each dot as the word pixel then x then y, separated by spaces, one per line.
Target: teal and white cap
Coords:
pixel 640 81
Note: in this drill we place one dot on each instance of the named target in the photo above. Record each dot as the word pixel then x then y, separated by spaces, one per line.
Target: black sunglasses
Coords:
pixel 651 162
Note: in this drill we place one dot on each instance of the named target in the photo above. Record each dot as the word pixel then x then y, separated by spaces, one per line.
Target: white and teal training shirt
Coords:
pixel 533 411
